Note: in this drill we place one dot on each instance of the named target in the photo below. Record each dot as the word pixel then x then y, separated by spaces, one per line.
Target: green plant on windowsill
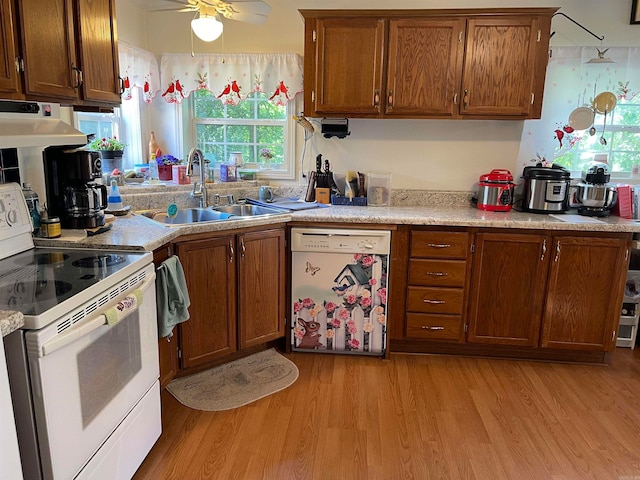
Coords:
pixel 107 145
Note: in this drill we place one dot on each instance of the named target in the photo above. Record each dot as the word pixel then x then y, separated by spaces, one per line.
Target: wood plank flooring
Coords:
pixel 416 417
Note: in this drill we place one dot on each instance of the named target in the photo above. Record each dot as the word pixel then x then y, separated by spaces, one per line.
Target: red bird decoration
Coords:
pixel 179 88
pixel 235 88
pixel 226 91
pixel 559 136
pixel 146 86
pixel 171 89
pixel 127 83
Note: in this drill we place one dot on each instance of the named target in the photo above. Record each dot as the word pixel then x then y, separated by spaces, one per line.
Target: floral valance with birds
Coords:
pixel 232 77
pixel 138 69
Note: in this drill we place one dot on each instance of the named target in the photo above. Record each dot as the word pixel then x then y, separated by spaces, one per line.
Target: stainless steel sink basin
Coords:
pixel 186 216
pixel 246 210
pixel 189 216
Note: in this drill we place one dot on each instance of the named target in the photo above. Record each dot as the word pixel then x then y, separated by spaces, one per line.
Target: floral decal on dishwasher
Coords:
pixel 344 309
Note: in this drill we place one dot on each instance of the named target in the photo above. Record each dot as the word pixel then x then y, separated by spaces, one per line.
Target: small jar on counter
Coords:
pixel 50 227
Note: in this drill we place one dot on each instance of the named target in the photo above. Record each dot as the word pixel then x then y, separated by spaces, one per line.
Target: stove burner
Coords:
pixel 52 258
pixel 24 295
pixel 99 260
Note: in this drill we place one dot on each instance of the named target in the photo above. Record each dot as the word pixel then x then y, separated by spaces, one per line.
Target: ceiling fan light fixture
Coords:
pixel 207 27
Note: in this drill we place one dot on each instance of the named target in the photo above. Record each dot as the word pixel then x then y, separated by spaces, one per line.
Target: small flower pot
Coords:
pixel 165 172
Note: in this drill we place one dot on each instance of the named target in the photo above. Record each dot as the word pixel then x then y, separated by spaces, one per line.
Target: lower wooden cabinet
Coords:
pixel 210 271
pixel 236 287
pixel 507 288
pixel 584 293
pixel 551 291
pixel 517 293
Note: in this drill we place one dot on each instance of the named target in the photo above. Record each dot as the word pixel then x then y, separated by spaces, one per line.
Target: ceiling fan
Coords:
pixel 207 25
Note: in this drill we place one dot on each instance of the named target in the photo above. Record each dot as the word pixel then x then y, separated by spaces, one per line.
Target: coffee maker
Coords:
pixel 72 193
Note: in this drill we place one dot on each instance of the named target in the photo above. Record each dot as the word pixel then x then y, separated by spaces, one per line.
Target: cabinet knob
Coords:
pixel 436 274
pixel 230 251
pixel 79 78
pixel 390 99
pixel 465 99
pixel 242 248
pixel 376 98
pixel 433 302
pixel 427 327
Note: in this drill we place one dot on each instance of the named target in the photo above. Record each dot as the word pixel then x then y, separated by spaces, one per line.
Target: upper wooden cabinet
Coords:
pixel 471 63
pixel 68 50
pixel 9 59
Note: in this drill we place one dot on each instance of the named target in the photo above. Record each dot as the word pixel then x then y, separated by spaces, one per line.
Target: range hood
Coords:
pixel 28 124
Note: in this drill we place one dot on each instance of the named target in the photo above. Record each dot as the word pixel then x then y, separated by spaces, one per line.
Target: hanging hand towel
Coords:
pixel 172 297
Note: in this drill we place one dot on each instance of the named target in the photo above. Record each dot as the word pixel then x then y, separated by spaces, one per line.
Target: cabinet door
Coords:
pixel 499 66
pixel 586 284
pixel 425 65
pixel 507 287
pixel 261 294
pixel 9 77
pixel 209 267
pixel 348 77
pixel 48 47
pixel 98 50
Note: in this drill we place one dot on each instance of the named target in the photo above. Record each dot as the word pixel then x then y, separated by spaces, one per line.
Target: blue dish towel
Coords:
pixel 172 297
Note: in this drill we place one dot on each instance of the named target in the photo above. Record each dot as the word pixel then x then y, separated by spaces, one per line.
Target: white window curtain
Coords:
pixel 571 82
pixel 139 69
pixel 232 77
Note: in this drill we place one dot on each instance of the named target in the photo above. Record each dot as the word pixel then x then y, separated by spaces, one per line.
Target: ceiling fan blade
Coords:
pixel 250 11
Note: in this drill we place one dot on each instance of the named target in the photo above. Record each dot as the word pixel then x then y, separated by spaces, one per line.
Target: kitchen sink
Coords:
pixel 247 210
pixel 188 216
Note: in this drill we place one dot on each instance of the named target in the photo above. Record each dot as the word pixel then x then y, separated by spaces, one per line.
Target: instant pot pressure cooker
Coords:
pixel 544 189
pixel 495 191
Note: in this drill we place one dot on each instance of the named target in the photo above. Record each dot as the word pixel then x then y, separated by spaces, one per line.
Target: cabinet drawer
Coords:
pixel 434 300
pixel 436 273
pixel 436 327
pixel 439 244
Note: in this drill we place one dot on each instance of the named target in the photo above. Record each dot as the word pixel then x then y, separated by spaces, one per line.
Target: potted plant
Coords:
pixel 165 165
pixel 111 151
pixel 108 147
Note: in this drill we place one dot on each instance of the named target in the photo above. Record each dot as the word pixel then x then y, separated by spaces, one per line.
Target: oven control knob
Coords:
pixel 12 217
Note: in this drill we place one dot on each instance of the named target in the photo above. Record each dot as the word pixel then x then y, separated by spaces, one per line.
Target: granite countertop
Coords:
pixel 466 217
pixel 136 232
pixel 10 321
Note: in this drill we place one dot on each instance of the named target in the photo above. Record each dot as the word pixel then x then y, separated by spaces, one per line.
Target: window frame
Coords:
pixel 288 172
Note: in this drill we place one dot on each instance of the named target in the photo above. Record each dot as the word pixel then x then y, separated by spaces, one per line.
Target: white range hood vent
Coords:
pixel 21 125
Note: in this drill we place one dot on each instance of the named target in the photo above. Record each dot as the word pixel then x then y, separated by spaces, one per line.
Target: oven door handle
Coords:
pixel 85 328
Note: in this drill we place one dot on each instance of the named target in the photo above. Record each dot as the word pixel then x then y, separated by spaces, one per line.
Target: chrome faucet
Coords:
pixel 199 188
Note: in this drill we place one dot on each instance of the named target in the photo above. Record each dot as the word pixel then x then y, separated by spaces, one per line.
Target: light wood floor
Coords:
pixel 417 417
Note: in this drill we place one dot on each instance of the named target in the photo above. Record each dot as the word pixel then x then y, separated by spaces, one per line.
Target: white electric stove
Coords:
pixel 84 368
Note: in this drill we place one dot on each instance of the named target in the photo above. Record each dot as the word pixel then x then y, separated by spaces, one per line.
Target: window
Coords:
pixel 622 140
pixel 573 81
pixel 252 127
pixel 124 123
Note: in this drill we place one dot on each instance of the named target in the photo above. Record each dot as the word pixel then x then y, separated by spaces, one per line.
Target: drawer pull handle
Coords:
pixel 438 245
pixel 436 274
pixel 427 327
pixel 433 302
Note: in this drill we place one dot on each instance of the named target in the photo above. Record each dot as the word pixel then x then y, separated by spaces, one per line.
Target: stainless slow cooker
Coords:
pixel 545 189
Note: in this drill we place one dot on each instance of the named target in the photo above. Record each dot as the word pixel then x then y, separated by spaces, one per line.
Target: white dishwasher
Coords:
pixel 339 291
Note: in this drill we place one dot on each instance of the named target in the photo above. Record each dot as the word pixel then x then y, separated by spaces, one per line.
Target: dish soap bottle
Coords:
pixel 33 204
pixel 154 173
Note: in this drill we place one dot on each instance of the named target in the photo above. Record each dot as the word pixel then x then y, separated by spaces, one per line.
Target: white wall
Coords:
pixel 428 154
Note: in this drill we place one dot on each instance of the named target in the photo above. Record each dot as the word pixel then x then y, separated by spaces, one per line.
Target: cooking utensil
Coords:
pixel 592 131
pixel 603 141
